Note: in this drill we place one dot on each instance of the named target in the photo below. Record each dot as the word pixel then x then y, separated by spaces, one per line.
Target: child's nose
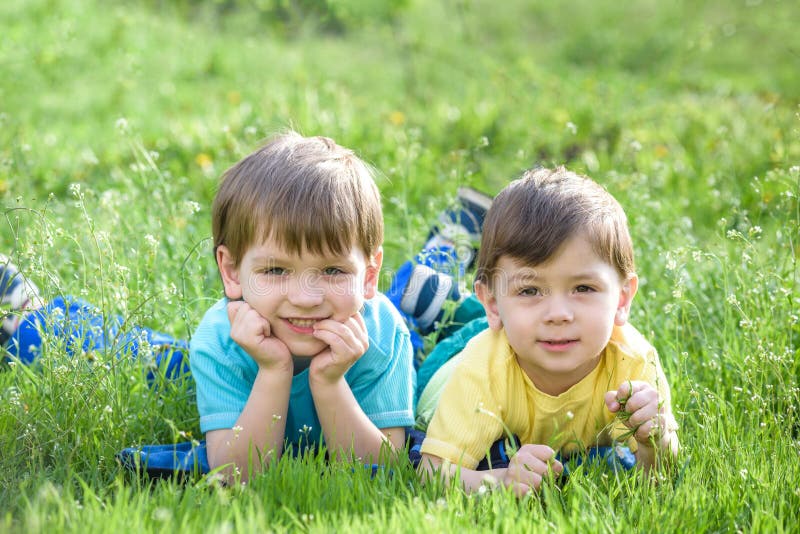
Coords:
pixel 305 290
pixel 558 309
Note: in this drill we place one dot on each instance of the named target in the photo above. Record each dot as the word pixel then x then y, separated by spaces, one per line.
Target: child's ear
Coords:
pixel 229 273
pixel 489 301
pixel 372 273
pixel 626 294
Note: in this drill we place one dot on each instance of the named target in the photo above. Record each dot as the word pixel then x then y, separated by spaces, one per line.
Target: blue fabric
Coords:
pixel 187 459
pixel 382 380
pixel 395 295
pixel 8 279
pixel 446 349
pixel 443 259
pixel 166 460
pixel 398 285
pixel 83 330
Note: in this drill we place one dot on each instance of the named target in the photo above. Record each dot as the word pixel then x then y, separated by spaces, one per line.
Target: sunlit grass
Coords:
pixel 116 120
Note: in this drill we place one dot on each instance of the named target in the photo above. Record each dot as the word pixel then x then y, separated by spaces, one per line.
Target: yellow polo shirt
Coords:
pixel 489 379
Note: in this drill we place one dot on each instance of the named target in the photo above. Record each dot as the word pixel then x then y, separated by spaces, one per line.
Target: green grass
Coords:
pixel 117 118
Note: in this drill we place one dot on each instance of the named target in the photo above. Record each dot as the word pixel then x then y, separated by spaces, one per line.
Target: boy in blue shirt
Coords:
pixel 303 347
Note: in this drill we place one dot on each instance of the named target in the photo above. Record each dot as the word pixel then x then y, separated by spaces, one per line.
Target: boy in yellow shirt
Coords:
pixel 559 365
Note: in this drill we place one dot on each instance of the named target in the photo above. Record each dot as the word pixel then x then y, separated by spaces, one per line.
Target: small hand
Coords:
pixel 347 341
pixel 529 466
pixel 641 410
pixel 253 333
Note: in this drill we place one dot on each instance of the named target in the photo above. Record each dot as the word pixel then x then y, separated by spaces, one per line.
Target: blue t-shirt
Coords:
pixel 382 380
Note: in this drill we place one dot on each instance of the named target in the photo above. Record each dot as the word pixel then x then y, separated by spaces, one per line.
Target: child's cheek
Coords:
pixel 348 295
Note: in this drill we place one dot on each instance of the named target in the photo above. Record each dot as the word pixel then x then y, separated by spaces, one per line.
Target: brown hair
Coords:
pixel 533 216
pixel 308 194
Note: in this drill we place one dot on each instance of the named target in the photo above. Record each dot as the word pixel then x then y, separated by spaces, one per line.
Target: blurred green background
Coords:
pixel 117 119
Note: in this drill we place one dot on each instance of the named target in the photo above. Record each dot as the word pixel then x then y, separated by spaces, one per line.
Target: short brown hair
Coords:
pixel 307 193
pixel 533 216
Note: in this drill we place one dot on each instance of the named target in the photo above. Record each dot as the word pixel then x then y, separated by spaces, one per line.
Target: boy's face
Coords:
pixel 295 291
pixel 559 315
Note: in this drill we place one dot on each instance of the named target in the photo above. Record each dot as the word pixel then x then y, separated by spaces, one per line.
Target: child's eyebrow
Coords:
pixel 523 277
pixel 343 261
pixel 265 259
pixel 586 275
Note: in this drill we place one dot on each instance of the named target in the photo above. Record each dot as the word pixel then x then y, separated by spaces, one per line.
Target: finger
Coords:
pixel 556 467
pixel 247 322
pixel 350 334
pixel 611 401
pixel 654 429
pixel 533 458
pixel 332 340
pixel 535 481
pixel 645 399
pixel 541 452
pixel 524 474
pixel 520 489
pixel 342 346
pixel 233 309
pixel 527 463
pixel 359 329
pixel 359 319
pixel 354 324
pixel 645 431
pixel 625 391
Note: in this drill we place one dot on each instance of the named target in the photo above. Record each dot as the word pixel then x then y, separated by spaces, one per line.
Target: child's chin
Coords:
pixel 306 350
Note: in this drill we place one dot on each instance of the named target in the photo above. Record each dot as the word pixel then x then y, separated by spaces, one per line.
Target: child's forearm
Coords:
pixel 345 426
pixel 259 430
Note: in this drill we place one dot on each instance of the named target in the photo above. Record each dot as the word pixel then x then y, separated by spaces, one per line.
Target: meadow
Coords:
pixel 117 119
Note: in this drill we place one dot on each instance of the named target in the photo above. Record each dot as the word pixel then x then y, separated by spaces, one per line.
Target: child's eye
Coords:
pixel 331 271
pixel 584 289
pixel 529 291
pixel 274 271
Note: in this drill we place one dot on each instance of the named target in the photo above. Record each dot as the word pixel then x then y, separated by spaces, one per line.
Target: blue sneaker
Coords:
pixel 459 229
pixel 420 292
pixel 17 295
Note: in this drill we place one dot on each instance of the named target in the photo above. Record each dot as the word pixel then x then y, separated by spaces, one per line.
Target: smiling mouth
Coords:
pixel 303 323
pixel 558 342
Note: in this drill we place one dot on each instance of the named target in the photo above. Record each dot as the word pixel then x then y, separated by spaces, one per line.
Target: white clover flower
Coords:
pixel 162 515
pixel 192 207
pixel 122 125
pixel 152 242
